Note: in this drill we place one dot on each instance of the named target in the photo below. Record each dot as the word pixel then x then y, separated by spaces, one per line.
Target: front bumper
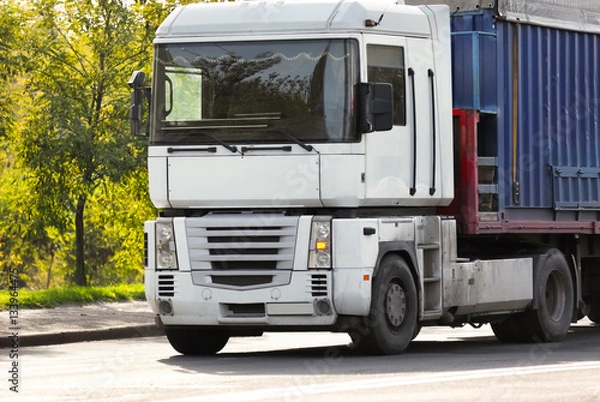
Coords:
pixel 305 301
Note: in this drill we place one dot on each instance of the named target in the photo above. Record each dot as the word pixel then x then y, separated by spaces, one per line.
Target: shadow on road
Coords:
pixel 468 353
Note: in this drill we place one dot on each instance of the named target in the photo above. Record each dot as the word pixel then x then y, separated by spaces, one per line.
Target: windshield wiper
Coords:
pixel 302 144
pixel 229 147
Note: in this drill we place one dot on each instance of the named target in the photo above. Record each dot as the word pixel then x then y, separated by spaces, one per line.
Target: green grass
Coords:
pixel 73 295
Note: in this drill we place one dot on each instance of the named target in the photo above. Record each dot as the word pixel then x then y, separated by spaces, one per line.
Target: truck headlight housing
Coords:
pixel 319 256
pixel 166 254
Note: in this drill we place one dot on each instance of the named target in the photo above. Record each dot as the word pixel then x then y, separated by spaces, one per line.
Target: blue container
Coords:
pixel 538 92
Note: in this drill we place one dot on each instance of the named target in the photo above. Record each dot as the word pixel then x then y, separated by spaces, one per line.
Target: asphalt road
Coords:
pixel 440 365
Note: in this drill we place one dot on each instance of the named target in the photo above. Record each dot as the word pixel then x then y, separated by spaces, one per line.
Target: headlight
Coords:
pixel 165 233
pixel 323 230
pixel 320 243
pixel 166 254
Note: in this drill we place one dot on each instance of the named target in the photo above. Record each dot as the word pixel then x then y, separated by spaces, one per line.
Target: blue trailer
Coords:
pixel 536 89
pixel 526 93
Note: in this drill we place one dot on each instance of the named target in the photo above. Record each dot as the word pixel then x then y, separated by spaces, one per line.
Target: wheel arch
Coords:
pixel 574 264
pixel 404 250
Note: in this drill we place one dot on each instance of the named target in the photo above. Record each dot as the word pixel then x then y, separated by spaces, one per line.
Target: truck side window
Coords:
pixel 183 87
pixel 386 64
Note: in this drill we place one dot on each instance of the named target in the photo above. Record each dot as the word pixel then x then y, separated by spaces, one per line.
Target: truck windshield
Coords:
pixel 255 92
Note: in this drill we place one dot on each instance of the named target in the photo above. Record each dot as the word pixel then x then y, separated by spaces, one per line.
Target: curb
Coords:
pixel 135 331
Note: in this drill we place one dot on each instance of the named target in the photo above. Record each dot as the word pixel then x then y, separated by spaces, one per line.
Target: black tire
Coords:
pixel 554 297
pixel 392 320
pixel 195 341
pixel 416 332
pixel 509 330
pixel 594 314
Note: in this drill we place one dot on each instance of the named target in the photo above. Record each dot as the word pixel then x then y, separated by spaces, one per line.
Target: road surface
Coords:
pixel 440 365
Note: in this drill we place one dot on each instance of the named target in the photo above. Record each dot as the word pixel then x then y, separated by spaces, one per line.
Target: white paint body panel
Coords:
pixel 341 180
pixel 249 181
pixel 354 257
pixel 377 171
pixel 489 286
pixel 199 305
pixel 352 293
pixel 158 186
pixel 285 16
pixel 352 249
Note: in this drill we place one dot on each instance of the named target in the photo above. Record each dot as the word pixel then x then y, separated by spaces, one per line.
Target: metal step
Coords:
pixel 488 189
pixel 428 246
pixel 487 161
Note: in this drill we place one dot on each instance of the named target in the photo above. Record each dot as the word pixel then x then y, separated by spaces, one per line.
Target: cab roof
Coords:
pixel 293 17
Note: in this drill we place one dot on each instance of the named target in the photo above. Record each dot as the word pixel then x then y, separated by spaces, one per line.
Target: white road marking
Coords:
pixel 297 392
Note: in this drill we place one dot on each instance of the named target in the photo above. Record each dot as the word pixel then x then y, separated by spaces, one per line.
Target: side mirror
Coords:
pixel 136 109
pixel 376 107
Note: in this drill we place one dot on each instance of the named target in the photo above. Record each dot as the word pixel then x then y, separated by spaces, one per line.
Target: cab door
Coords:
pixel 400 162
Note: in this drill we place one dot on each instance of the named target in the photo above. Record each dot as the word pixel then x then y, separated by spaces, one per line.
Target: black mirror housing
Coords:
pixel 137 80
pixel 376 107
pixel 136 109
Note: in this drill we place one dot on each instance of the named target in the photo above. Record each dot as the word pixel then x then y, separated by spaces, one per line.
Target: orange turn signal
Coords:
pixel 321 245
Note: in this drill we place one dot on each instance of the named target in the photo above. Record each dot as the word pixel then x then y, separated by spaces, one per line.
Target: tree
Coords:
pixel 73 182
pixel 74 133
pixel 22 241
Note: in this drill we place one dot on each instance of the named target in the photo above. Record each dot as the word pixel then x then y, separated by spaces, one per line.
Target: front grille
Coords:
pixel 244 280
pixel 166 285
pixel 245 310
pixel 252 244
pixel 318 285
pixel 241 242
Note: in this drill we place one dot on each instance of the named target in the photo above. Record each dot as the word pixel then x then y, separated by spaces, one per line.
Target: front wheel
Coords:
pixel 196 341
pixel 392 321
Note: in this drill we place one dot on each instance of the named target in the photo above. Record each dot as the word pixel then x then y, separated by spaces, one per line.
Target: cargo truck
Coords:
pixel 372 167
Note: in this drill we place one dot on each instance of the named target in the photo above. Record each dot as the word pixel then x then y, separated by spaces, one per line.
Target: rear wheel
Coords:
pixel 553 290
pixel 553 295
pixel 195 341
pixel 509 330
pixel 392 320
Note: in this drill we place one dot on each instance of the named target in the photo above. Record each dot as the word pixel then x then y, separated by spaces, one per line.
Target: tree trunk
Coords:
pixel 80 277
pixel 49 277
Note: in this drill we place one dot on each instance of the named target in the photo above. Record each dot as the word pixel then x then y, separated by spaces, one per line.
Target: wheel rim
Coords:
pixel 555 296
pixel 395 305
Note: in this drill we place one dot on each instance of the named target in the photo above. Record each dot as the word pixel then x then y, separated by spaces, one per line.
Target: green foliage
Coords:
pixel 73 295
pixel 73 184
pixel 116 208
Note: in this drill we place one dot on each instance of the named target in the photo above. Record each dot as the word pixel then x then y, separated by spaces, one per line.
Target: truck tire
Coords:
pixel 554 297
pixel 594 314
pixel 392 320
pixel 509 330
pixel 195 341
